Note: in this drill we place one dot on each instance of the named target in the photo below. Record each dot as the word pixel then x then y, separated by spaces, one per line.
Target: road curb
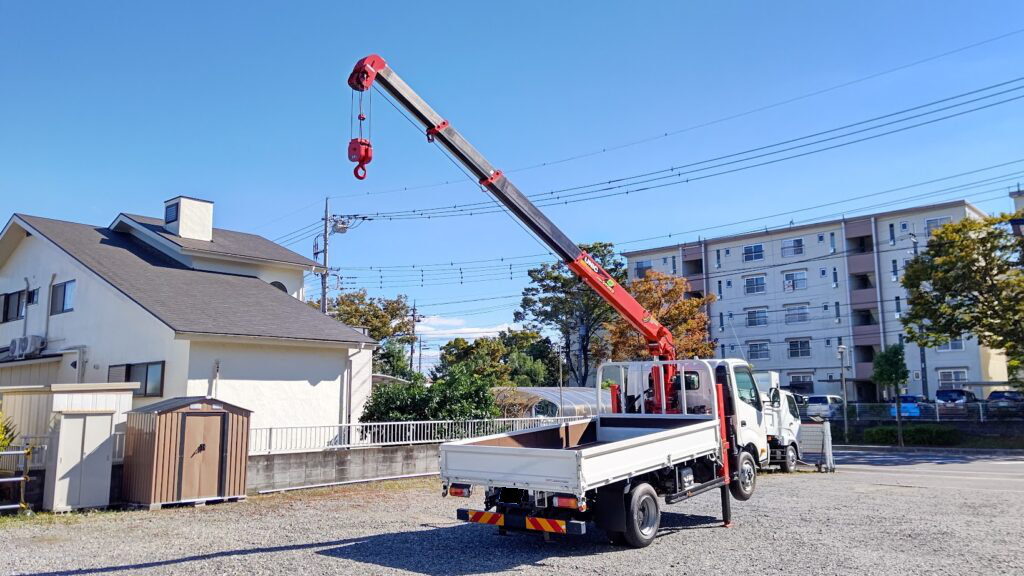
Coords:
pixel 927 450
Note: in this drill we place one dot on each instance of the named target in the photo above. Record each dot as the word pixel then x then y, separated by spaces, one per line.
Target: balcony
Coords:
pixel 863 297
pixel 860 263
pixel 865 331
pixel 863 370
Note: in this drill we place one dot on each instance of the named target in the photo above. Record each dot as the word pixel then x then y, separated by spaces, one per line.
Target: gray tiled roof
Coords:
pixel 175 403
pixel 191 301
pixel 227 242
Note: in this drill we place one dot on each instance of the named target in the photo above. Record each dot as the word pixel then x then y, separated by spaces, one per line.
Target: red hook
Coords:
pixel 360 151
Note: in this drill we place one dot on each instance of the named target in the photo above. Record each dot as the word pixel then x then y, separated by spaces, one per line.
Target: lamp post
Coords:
pixel 842 380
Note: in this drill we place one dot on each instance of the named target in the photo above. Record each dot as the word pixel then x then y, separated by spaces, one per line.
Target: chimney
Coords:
pixel 1018 199
pixel 190 218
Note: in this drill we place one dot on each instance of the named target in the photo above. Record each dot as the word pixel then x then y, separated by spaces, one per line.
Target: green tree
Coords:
pixel 461 395
pixel 388 321
pixel 891 373
pixel 969 281
pixel 397 402
pixel 390 359
pixel 504 360
pixel 557 300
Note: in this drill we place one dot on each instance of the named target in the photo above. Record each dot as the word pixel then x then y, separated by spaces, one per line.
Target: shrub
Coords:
pixel 914 435
pixel 7 432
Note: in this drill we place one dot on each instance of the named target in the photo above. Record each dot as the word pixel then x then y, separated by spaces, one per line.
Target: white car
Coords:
pixel 824 406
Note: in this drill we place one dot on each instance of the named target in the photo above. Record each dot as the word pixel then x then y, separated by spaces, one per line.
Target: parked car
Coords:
pixel 954 401
pixel 910 406
pixel 1006 403
pixel 824 406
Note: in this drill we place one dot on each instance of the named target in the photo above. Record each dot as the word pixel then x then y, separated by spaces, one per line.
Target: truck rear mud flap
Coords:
pixel 522 522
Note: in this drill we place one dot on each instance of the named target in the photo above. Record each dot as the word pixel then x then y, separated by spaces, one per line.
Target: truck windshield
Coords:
pixel 746 389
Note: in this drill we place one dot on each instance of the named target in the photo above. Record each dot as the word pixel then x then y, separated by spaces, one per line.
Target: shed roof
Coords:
pixel 172 404
pixel 189 301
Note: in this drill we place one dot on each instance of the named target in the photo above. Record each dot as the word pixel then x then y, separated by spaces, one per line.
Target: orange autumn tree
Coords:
pixel 665 297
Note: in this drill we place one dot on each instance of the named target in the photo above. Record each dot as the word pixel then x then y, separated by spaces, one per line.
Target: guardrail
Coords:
pixel 919 412
pixel 315 438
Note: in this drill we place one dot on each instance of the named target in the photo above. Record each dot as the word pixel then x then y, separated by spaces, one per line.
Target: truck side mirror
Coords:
pixel 776 400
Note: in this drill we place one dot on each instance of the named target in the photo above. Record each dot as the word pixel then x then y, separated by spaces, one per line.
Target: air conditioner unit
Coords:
pixel 27 347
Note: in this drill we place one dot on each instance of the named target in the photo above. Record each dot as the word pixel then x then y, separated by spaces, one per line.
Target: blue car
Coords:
pixel 910 406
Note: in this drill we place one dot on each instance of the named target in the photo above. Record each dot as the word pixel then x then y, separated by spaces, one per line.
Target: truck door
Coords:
pixel 749 412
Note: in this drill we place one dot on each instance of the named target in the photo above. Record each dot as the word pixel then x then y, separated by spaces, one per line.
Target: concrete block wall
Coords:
pixel 276 471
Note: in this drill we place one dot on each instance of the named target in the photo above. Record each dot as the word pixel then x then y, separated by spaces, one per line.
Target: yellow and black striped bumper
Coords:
pixel 523 522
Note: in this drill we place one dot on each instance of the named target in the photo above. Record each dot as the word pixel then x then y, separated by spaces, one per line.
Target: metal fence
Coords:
pixel 917 412
pixel 314 438
pixel 39 446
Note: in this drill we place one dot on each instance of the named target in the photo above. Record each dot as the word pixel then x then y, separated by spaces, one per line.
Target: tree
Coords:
pixel 461 395
pixel 558 300
pixel 969 282
pixel 665 297
pixel 390 359
pixel 891 373
pixel 388 320
pixel 504 360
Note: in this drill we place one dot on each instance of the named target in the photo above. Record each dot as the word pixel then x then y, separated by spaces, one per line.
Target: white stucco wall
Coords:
pixel 113 329
pixel 283 385
pixel 361 379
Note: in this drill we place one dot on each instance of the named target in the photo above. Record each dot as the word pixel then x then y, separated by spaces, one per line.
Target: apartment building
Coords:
pixel 787 298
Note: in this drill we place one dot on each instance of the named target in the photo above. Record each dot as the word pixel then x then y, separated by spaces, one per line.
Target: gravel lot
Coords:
pixel 802 523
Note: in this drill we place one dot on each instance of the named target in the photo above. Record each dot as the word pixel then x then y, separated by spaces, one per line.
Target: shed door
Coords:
pixel 200 456
pixel 85 451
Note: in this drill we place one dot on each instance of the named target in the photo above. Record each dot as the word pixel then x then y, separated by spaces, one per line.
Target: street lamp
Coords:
pixel 842 379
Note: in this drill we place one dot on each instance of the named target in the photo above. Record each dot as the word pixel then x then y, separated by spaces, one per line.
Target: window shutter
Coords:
pixel 117 373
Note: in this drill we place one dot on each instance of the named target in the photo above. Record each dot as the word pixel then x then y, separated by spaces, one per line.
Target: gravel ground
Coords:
pixel 800 523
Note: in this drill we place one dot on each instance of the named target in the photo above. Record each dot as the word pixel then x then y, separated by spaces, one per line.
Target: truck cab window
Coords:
pixel 746 389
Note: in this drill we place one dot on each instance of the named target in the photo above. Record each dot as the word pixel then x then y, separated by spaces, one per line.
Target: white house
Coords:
pixel 182 307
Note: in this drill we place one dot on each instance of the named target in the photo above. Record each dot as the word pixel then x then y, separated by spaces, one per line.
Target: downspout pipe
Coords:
pixel 24 323
pixel 49 297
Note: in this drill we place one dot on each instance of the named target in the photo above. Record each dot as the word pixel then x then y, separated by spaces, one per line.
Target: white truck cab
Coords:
pixel 782 420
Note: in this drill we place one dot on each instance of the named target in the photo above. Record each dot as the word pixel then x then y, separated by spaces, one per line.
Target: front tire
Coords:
pixel 789 462
pixel 742 487
pixel 643 516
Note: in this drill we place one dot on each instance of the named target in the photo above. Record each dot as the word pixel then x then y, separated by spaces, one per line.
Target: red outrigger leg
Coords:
pixel 723 470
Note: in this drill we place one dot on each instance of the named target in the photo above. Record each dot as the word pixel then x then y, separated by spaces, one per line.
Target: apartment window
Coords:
pixel 832 242
pixel 828 342
pixel 821 238
pixel 901 339
pixel 824 307
pixel 837 309
pixel 793 247
pixel 953 345
pixel 899 305
pixel 719 289
pixel 795 281
pixel 895 269
pixel 33 296
pixel 904 226
pixel 754 285
pixel 802 383
pixel 797 313
pixel 721 321
pixel 13 306
pixel 149 375
pixel 892 234
pixel 757 317
pixel 674 269
pixel 952 377
pixel 728 283
pixel 718 258
pixel 723 350
pixel 931 224
pixel 824 272
pixel 727 251
pixel 800 348
pixel 642 266
pixel 839 340
pixel 171 213
pixel 758 351
pixel 62 297
pixel 753 252
pixel 835 277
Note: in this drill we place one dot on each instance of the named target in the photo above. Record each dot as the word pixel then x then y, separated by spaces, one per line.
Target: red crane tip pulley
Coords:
pixel 361 79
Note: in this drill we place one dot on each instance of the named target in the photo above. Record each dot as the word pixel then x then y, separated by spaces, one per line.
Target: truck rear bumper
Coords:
pixel 522 522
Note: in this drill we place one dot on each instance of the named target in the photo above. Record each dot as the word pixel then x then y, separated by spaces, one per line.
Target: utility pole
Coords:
pixel 327 235
pixel 420 366
pixel 842 380
pixel 561 403
pixel 412 345
pixel 920 348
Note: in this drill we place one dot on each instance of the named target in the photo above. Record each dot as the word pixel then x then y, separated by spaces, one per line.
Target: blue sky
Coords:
pixel 116 106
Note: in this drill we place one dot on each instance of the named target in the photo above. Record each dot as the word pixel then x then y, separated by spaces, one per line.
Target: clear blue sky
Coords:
pixel 116 106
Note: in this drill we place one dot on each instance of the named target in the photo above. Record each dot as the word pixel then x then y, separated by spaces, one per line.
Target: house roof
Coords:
pixel 226 243
pixel 180 402
pixel 192 301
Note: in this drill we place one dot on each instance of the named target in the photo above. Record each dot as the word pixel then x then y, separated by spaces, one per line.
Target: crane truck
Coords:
pixel 674 428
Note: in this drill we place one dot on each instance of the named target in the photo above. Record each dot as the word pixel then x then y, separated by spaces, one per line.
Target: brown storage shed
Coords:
pixel 185 450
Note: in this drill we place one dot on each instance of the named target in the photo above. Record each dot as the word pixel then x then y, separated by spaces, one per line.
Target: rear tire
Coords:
pixel 742 487
pixel 643 516
pixel 789 462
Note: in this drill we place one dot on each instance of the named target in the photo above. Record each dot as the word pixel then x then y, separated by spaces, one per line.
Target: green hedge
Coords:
pixel 914 435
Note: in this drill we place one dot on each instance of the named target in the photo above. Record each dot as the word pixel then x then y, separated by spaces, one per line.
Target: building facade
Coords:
pixel 788 298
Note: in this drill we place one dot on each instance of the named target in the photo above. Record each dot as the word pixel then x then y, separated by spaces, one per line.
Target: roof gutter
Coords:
pixel 272 340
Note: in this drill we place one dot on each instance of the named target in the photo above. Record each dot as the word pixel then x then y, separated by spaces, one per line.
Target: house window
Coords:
pixel 642 266
pixel 171 213
pixel 953 345
pixel 793 247
pixel 757 317
pixel 932 224
pixel 753 252
pixel 13 306
pixel 33 296
pixel 62 297
pixel 892 234
pixel 754 285
pixel 149 375
pixel 797 313
pixel 758 351
pixel 795 281
pixel 800 348
pixel 952 377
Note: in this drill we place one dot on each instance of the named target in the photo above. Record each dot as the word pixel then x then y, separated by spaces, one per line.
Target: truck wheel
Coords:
pixel 742 487
pixel 643 516
pixel 789 462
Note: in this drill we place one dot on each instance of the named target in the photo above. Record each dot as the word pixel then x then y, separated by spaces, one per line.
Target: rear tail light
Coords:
pixel 568 502
pixel 460 490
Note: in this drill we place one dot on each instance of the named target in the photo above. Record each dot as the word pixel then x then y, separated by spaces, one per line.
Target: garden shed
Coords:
pixel 185 450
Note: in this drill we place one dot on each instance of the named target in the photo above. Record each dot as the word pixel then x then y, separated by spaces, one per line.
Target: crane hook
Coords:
pixel 360 151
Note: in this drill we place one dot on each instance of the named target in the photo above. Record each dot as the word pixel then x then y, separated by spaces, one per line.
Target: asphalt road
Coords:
pixel 880 514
